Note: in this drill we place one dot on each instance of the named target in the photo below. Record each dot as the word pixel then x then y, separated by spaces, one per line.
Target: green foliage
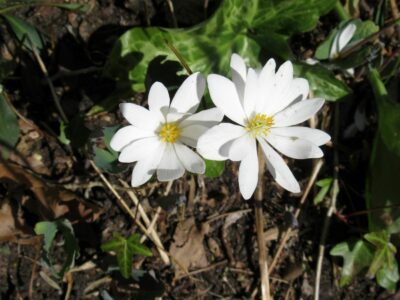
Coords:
pixel 107 159
pixel 125 249
pixel 382 188
pixel 214 168
pixel 9 128
pixel 25 32
pixel 244 27
pixel 323 82
pixel 71 249
pixel 374 252
pixel 325 185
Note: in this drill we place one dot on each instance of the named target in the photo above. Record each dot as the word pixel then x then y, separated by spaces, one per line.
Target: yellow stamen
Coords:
pixel 169 133
pixel 260 124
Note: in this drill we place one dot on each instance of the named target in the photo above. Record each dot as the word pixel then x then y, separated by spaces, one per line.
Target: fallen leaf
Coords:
pixel 12 225
pixel 188 248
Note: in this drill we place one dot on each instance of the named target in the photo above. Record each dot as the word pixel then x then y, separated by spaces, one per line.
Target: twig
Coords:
pixel 70 282
pixel 395 9
pixel 262 250
pixel 287 233
pixel 146 220
pixel 172 11
pixel 50 83
pixel 332 206
pixel 33 274
pixel 210 267
pixel 179 57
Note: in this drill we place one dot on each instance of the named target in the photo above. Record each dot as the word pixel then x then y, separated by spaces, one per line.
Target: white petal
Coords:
pixel 189 159
pixel 297 90
pixel 210 143
pixel 126 135
pixel 158 97
pixel 192 132
pixel 251 93
pixel 138 149
pixel 240 147
pixel 238 70
pixel 298 112
pixel 189 94
pixel 315 136
pixel 282 80
pixel 139 116
pixel 175 117
pixel 170 167
pixel 146 167
pixel 294 148
pixel 248 173
pixel 224 95
pixel 278 168
pixel 208 118
pixel 266 79
pixel 346 35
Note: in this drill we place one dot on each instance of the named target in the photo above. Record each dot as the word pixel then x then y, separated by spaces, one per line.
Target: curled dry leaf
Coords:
pixel 47 203
pixel 12 224
pixel 188 248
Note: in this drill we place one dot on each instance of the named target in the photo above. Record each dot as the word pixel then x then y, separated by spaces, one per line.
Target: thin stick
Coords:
pixel 287 233
pixel 262 249
pixel 172 11
pixel 146 220
pixel 51 86
pixel 179 57
pixel 332 206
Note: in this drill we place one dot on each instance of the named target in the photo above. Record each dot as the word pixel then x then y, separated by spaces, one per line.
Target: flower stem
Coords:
pixel 262 250
pixel 341 12
pixel 179 57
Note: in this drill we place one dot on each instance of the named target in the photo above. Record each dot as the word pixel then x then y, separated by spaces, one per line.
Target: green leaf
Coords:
pixel 71 249
pixel 25 32
pixel 244 27
pixel 357 256
pixel 322 82
pixel 382 188
pixel 107 159
pixel 9 128
pixel 214 168
pixel 125 249
pixel 388 276
pixel 325 185
pixel 63 137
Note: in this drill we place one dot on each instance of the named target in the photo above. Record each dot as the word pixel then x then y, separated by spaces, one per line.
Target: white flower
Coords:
pixel 342 38
pixel 265 105
pixel 157 138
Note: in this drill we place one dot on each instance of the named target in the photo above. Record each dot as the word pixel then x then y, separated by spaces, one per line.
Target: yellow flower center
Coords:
pixel 169 133
pixel 259 125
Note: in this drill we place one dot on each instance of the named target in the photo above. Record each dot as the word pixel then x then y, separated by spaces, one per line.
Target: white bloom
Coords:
pixel 157 138
pixel 342 38
pixel 265 105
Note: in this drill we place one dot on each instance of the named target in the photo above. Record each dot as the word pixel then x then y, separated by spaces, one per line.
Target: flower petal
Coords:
pixel 298 112
pixel 139 149
pixel 126 135
pixel 278 168
pixel 294 148
pixel 170 167
pixel 224 95
pixel 146 167
pixel 189 94
pixel 315 136
pixel 248 173
pixel 192 133
pixel 239 148
pixel 139 116
pixel 297 89
pixel 266 80
pixel 238 70
pixel 209 143
pixel 189 159
pixel 158 97
pixel 282 80
pixel 207 118
pixel 251 93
